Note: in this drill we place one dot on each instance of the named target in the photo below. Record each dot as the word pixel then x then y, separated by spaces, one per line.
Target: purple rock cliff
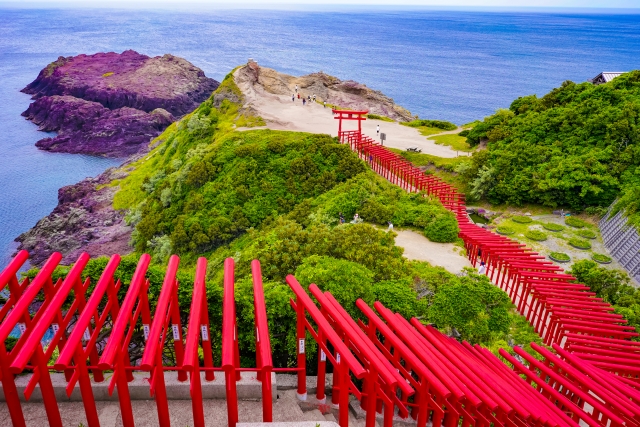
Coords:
pixel 112 104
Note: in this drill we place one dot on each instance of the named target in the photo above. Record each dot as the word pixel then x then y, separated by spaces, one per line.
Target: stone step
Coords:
pixel 248 388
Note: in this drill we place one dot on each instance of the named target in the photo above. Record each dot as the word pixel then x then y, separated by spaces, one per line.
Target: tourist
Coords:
pixel 293 97
pixel 356 218
pixel 390 226
pixel 314 97
pixel 341 218
pixel 370 159
pixel 324 104
pixel 298 95
pixel 378 130
pixel 309 98
pixel 297 90
pixel 304 101
pixel 482 268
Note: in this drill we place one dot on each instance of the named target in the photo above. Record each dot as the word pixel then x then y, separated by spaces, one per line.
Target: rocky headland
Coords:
pixel 343 93
pixel 117 115
pixel 113 104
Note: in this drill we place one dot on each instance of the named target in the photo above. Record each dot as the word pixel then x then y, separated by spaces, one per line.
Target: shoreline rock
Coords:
pixel 83 221
pixel 111 104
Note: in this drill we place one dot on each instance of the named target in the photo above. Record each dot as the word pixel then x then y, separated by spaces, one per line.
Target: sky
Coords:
pixel 323 4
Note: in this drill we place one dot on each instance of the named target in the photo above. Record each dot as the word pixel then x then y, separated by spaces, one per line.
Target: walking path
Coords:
pixel 419 248
pixel 281 113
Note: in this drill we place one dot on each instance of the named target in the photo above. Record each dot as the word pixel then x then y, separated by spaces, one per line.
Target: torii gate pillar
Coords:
pixel 350 115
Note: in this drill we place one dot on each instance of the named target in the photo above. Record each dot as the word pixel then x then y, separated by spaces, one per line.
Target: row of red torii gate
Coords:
pixel 586 374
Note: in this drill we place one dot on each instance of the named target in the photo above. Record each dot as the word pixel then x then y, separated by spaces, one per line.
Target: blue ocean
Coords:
pixel 450 65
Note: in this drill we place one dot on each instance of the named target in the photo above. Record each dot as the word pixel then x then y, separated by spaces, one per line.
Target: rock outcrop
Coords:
pixel 83 221
pixel 113 104
pixel 89 128
pixel 343 93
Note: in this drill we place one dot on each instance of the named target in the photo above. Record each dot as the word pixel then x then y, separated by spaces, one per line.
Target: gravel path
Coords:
pixel 419 248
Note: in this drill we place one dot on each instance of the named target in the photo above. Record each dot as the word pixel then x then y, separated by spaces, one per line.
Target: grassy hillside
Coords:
pixel 208 190
pixel 576 147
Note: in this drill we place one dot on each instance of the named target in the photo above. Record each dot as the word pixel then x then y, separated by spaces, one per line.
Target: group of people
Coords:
pixel 308 99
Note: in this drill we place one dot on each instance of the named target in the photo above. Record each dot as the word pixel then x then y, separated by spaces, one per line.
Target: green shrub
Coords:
pixel 464 133
pixel 444 229
pixel 552 226
pixel 579 243
pixel 601 258
pixel 473 306
pixel 535 235
pixel 503 229
pixel 560 256
pixel 10 342
pixel 587 234
pixel 575 222
pixel 377 117
pixel 521 219
pixel 432 124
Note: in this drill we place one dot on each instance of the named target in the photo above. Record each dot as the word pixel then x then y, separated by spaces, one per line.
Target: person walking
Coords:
pixel 296 88
pixel 482 268
pixel 390 226
pixel 304 101
pixel 293 97
pixel 314 97
pixel 378 130
pixel 324 104
pixel 298 96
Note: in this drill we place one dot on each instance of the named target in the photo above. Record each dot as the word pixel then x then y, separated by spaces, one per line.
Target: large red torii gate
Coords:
pixel 360 116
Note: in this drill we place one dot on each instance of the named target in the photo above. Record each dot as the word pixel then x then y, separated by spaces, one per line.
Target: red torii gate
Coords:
pixel 349 115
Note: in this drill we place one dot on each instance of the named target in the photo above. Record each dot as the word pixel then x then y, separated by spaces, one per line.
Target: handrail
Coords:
pixel 126 312
pixel 12 269
pixel 228 316
pixel 195 316
pixel 149 357
pixel 85 317
pixel 22 305
pixel 262 325
pixel 353 364
pixel 50 312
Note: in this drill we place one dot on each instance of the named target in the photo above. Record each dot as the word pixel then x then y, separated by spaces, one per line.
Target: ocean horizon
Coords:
pixel 455 65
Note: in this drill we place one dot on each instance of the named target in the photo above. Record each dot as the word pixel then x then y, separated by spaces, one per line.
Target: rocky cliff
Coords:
pixel 83 221
pixel 113 104
pixel 343 93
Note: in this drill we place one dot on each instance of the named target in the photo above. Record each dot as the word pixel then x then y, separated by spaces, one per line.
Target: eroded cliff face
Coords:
pixel 83 221
pixel 343 93
pixel 113 104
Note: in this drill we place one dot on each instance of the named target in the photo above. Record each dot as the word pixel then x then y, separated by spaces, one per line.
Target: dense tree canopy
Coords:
pixel 577 146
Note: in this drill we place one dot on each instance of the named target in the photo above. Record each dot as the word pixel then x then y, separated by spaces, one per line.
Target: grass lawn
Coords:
pixel 425 130
pixel 455 141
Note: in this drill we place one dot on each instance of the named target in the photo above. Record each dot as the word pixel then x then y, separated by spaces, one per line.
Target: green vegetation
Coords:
pixel 438 124
pixel 575 222
pixel 553 227
pixel 579 243
pixel 377 117
pixel 521 219
pixel 9 343
pixel 601 258
pixel 455 141
pixel 578 146
pixel 536 235
pixel 559 256
pixel 505 230
pixel 109 74
pixel 587 234
pixel 613 287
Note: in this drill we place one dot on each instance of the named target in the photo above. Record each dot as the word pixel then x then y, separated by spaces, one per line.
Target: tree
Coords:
pixel 607 284
pixel 473 306
pixel 347 281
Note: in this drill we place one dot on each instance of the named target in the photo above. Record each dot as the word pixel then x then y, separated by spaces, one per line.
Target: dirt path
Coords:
pixel 281 113
pixel 419 248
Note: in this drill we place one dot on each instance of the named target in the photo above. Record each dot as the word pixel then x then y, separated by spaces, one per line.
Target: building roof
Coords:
pixel 606 76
